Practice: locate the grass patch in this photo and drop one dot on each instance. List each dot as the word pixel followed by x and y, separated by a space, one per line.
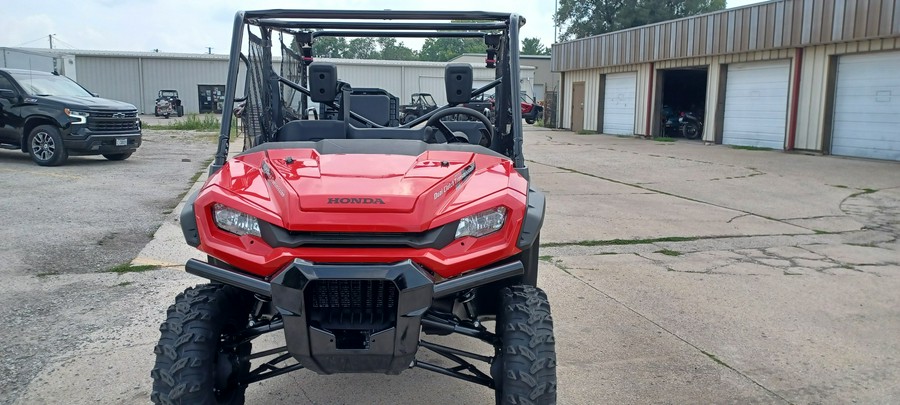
pixel 742 147
pixel 124 283
pixel 621 242
pixel 664 139
pixel 668 252
pixel 839 186
pixel 863 191
pixel 202 170
pixel 821 232
pixel 192 122
pixel 586 132
pixel 130 268
pixel 546 258
pixel 48 274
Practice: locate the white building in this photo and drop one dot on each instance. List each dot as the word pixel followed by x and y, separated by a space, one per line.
pixel 136 77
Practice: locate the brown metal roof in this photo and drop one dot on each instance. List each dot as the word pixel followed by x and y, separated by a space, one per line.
pixel 771 25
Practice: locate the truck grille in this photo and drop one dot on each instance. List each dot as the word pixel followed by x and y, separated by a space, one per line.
pixel 113 121
pixel 352 304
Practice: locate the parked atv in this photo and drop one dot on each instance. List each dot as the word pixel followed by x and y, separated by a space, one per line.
pixel 419 105
pixel 358 242
pixel 531 110
pixel 168 103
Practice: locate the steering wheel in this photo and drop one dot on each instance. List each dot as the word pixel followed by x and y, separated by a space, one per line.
pixel 435 121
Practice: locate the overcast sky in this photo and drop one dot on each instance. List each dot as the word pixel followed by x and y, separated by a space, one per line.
pixel 191 26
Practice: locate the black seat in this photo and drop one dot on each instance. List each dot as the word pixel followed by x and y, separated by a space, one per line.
pixel 311 130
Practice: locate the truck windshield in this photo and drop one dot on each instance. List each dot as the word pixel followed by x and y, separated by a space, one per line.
pixel 50 85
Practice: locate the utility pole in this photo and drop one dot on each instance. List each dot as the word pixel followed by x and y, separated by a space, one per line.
pixel 209 50
pixel 50 37
pixel 555 24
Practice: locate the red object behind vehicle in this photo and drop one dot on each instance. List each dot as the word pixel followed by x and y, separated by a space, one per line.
pixel 527 107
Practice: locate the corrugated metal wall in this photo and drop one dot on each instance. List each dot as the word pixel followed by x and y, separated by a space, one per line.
pixel 812 119
pixel 591 79
pixel 112 78
pixel 184 76
pixel 771 25
pixel 119 78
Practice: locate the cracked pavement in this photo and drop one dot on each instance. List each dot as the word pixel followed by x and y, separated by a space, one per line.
pixel 760 276
pixel 678 273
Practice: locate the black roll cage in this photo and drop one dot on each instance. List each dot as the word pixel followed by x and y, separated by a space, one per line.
pixel 309 24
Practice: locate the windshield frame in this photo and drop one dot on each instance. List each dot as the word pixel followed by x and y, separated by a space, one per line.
pixel 26 82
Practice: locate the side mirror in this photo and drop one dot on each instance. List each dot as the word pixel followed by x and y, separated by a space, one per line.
pixel 8 94
pixel 95 94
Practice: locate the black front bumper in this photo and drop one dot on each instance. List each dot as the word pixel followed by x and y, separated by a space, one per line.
pixel 83 141
pixel 354 318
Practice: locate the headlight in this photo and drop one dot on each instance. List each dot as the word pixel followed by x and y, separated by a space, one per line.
pixel 234 221
pixel 482 223
pixel 78 117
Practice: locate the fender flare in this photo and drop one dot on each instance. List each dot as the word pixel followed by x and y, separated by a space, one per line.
pixel 534 218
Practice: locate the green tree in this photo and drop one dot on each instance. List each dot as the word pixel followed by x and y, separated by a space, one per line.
pixel 362 48
pixel 393 50
pixel 533 46
pixel 330 47
pixel 582 18
pixel 445 49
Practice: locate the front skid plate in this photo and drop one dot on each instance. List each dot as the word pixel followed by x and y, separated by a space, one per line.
pixel 390 350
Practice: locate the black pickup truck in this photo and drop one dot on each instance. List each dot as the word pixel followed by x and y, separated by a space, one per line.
pixel 50 117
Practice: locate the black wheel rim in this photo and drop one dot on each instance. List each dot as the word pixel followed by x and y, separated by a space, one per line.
pixel 43 146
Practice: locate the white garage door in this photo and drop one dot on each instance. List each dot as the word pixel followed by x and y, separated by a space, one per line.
pixel 867 106
pixel 756 100
pixel 618 104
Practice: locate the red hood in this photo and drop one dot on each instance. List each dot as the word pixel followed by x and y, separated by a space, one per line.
pixel 304 190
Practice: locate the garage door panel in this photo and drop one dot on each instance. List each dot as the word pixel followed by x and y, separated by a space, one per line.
pixel 618 103
pixel 756 104
pixel 866 120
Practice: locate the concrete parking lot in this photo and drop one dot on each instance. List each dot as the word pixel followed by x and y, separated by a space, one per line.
pixel 678 273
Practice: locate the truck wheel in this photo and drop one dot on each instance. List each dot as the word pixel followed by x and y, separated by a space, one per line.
pixel 155 112
pixel 46 147
pixel 524 368
pixel 117 156
pixel 180 110
pixel 193 365
pixel 529 121
pixel 409 118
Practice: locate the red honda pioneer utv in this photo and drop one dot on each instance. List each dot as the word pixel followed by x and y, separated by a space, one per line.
pixel 359 240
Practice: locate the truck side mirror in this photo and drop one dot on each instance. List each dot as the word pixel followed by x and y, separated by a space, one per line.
pixel 95 94
pixel 8 94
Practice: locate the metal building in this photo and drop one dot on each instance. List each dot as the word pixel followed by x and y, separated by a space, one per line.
pixel 816 75
pixel 136 77
pixel 544 79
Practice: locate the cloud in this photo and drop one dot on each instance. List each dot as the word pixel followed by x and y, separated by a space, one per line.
pixel 191 26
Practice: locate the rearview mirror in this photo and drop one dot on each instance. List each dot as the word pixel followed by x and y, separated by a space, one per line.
pixel 7 94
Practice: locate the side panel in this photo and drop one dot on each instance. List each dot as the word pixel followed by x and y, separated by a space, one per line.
pixel 619 103
pixel 867 106
pixel 756 100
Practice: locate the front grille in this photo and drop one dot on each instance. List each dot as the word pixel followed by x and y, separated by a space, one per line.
pixel 114 114
pixel 352 304
pixel 113 121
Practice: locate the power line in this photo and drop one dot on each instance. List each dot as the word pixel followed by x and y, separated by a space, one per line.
pixel 33 40
pixel 56 37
